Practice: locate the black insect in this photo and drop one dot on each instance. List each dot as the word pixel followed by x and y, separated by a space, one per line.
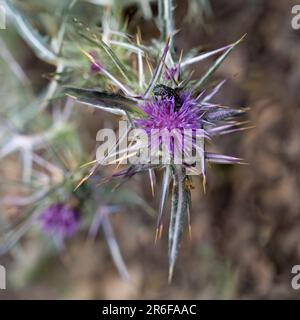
pixel 161 91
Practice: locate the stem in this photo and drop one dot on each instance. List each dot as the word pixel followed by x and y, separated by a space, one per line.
pixel 179 213
pixel 166 21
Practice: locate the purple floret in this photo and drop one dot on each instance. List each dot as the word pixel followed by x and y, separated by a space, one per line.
pixel 171 73
pixel 59 221
pixel 162 114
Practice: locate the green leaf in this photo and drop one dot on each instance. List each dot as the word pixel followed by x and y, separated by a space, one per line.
pixel 110 102
pixel 179 215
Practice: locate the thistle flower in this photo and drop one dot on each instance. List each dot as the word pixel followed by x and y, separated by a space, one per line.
pixel 59 222
pixel 179 104
pixel 164 114
pixel 177 115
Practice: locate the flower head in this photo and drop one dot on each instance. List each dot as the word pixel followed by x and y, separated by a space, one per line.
pixel 59 221
pixel 177 114
pixel 167 113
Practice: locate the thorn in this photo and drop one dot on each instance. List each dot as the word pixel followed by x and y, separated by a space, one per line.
pixel 204 184
pixel 82 182
pixel 70 96
pixel 87 164
pixel 181 55
pixel 156 235
pixel 242 38
pixel 160 231
pixel 151 182
pixel 152 189
pixel 138 36
pixel 149 66
pixel 171 270
pixel 88 55
pixel 190 231
pixel 116 187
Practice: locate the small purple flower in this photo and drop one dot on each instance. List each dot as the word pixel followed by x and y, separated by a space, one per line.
pixel 170 73
pixel 59 221
pixel 95 66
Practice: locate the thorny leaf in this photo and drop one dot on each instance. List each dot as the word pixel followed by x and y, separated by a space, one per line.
pixel 110 102
pixel 179 214
pixel 223 114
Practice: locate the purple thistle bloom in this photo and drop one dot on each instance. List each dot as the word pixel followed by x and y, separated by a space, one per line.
pixel 162 114
pixel 176 115
pixel 59 221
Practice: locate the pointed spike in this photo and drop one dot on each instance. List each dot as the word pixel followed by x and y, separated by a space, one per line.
pixel 203 56
pixel 161 230
pixel 156 235
pixel 204 184
pixel 82 181
pixel 171 271
pixel 190 232
pixel 149 66
pixel 165 189
pixel 87 164
pixel 152 178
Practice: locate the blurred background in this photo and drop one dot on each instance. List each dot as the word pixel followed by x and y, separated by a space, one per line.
pixel 245 229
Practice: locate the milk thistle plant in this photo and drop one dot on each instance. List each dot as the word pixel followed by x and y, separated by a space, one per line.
pixel 164 98
pixel 169 115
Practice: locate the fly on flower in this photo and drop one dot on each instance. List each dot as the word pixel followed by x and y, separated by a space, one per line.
pixel 165 100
